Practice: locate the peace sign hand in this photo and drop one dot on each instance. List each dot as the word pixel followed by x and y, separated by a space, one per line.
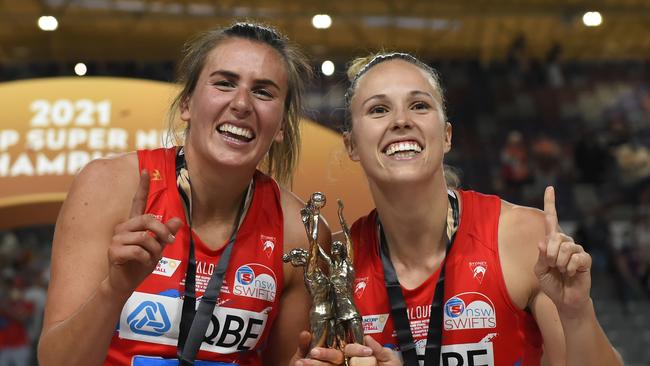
pixel 137 243
pixel 563 267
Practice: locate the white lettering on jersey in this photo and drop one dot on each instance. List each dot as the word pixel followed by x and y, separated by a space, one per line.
pixel 469 310
pixel 155 319
pixel 465 354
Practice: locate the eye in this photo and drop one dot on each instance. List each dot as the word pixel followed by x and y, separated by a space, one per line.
pixel 263 94
pixel 378 109
pixel 420 106
pixel 224 84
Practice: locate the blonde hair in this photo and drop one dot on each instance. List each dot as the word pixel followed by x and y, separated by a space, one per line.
pixel 282 158
pixel 359 66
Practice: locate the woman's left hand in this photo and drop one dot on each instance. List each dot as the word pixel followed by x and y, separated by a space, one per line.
pixel 318 356
pixel 563 267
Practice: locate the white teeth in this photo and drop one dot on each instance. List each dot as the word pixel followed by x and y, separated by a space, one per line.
pixel 244 132
pixel 403 146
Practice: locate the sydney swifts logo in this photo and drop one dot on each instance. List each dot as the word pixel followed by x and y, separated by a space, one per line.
pixel 360 286
pixel 268 245
pixel 478 270
pixel 256 281
pixel 155 175
pixel 469 310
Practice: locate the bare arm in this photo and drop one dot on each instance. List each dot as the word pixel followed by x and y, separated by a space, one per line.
pixel 84 301
pixel 547 272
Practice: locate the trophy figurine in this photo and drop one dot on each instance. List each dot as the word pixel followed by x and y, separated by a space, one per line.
pixel 348 326
pixel 334 319
pixel 321 315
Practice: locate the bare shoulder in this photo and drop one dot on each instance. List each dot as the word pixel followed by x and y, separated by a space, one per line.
pixel 104 184
pixel 100 193
pixel 521 222
pixel 520 230
pixel 99 199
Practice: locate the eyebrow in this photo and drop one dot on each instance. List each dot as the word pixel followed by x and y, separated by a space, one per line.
pixel 233 75
pixel 411 93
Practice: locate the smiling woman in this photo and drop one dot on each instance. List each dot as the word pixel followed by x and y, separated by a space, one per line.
pixel 450 275
pixel 162 236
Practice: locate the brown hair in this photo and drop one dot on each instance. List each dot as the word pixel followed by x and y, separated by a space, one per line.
pixel 282 158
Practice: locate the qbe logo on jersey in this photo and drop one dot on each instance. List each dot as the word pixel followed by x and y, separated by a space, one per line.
pixel 256 281
pixel 481 353
pixel 155 319
pixel 469 310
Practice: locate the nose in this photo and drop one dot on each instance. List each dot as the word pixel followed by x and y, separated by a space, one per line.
pixel 402 119
pixel 241 103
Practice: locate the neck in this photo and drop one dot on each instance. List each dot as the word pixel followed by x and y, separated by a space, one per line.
pixel 413 217
pixel 217 192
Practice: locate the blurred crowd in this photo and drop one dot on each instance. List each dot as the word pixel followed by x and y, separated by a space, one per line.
pixel 24 273
pixel 519 124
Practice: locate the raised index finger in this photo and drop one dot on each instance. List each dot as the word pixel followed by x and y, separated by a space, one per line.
pixel 550 212
pixel 140 199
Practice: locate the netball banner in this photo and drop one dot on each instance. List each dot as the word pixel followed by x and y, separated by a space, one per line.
pixel 51 128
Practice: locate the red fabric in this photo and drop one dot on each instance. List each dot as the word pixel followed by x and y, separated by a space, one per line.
pixel 13 332
pixel 249 298
pixel 481 324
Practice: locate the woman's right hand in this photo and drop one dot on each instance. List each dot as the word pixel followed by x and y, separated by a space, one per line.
pixel 381 356
pixel 137 244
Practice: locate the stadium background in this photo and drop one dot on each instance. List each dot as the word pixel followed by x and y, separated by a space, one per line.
pixel 537 92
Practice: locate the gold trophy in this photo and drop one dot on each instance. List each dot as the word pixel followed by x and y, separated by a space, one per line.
pixel 334 318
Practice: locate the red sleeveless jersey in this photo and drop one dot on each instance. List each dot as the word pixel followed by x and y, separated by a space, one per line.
pixel 252 286
pixel 481 324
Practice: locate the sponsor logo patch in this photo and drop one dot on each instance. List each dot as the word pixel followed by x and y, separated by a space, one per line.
pixel 166 266
pixel 149 318
pixel 256 281
pixel 469 310
pixel 464 354
pixel 374 323
pixel 479 269
pixel 480 353
pixel 155 319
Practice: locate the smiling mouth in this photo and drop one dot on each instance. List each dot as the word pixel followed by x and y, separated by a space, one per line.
pixel 403 149
pixel 238 133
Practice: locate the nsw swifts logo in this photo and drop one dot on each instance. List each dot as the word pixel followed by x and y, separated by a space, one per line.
pixel 360 286
pixel 268 245
pixel 479 269
pixel 469 310
pixel 256 281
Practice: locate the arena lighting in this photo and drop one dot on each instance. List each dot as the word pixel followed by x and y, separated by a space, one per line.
pixel 80 69
pixel 48 23
pixel 592 19
pixel 321 21
pixel 327 67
